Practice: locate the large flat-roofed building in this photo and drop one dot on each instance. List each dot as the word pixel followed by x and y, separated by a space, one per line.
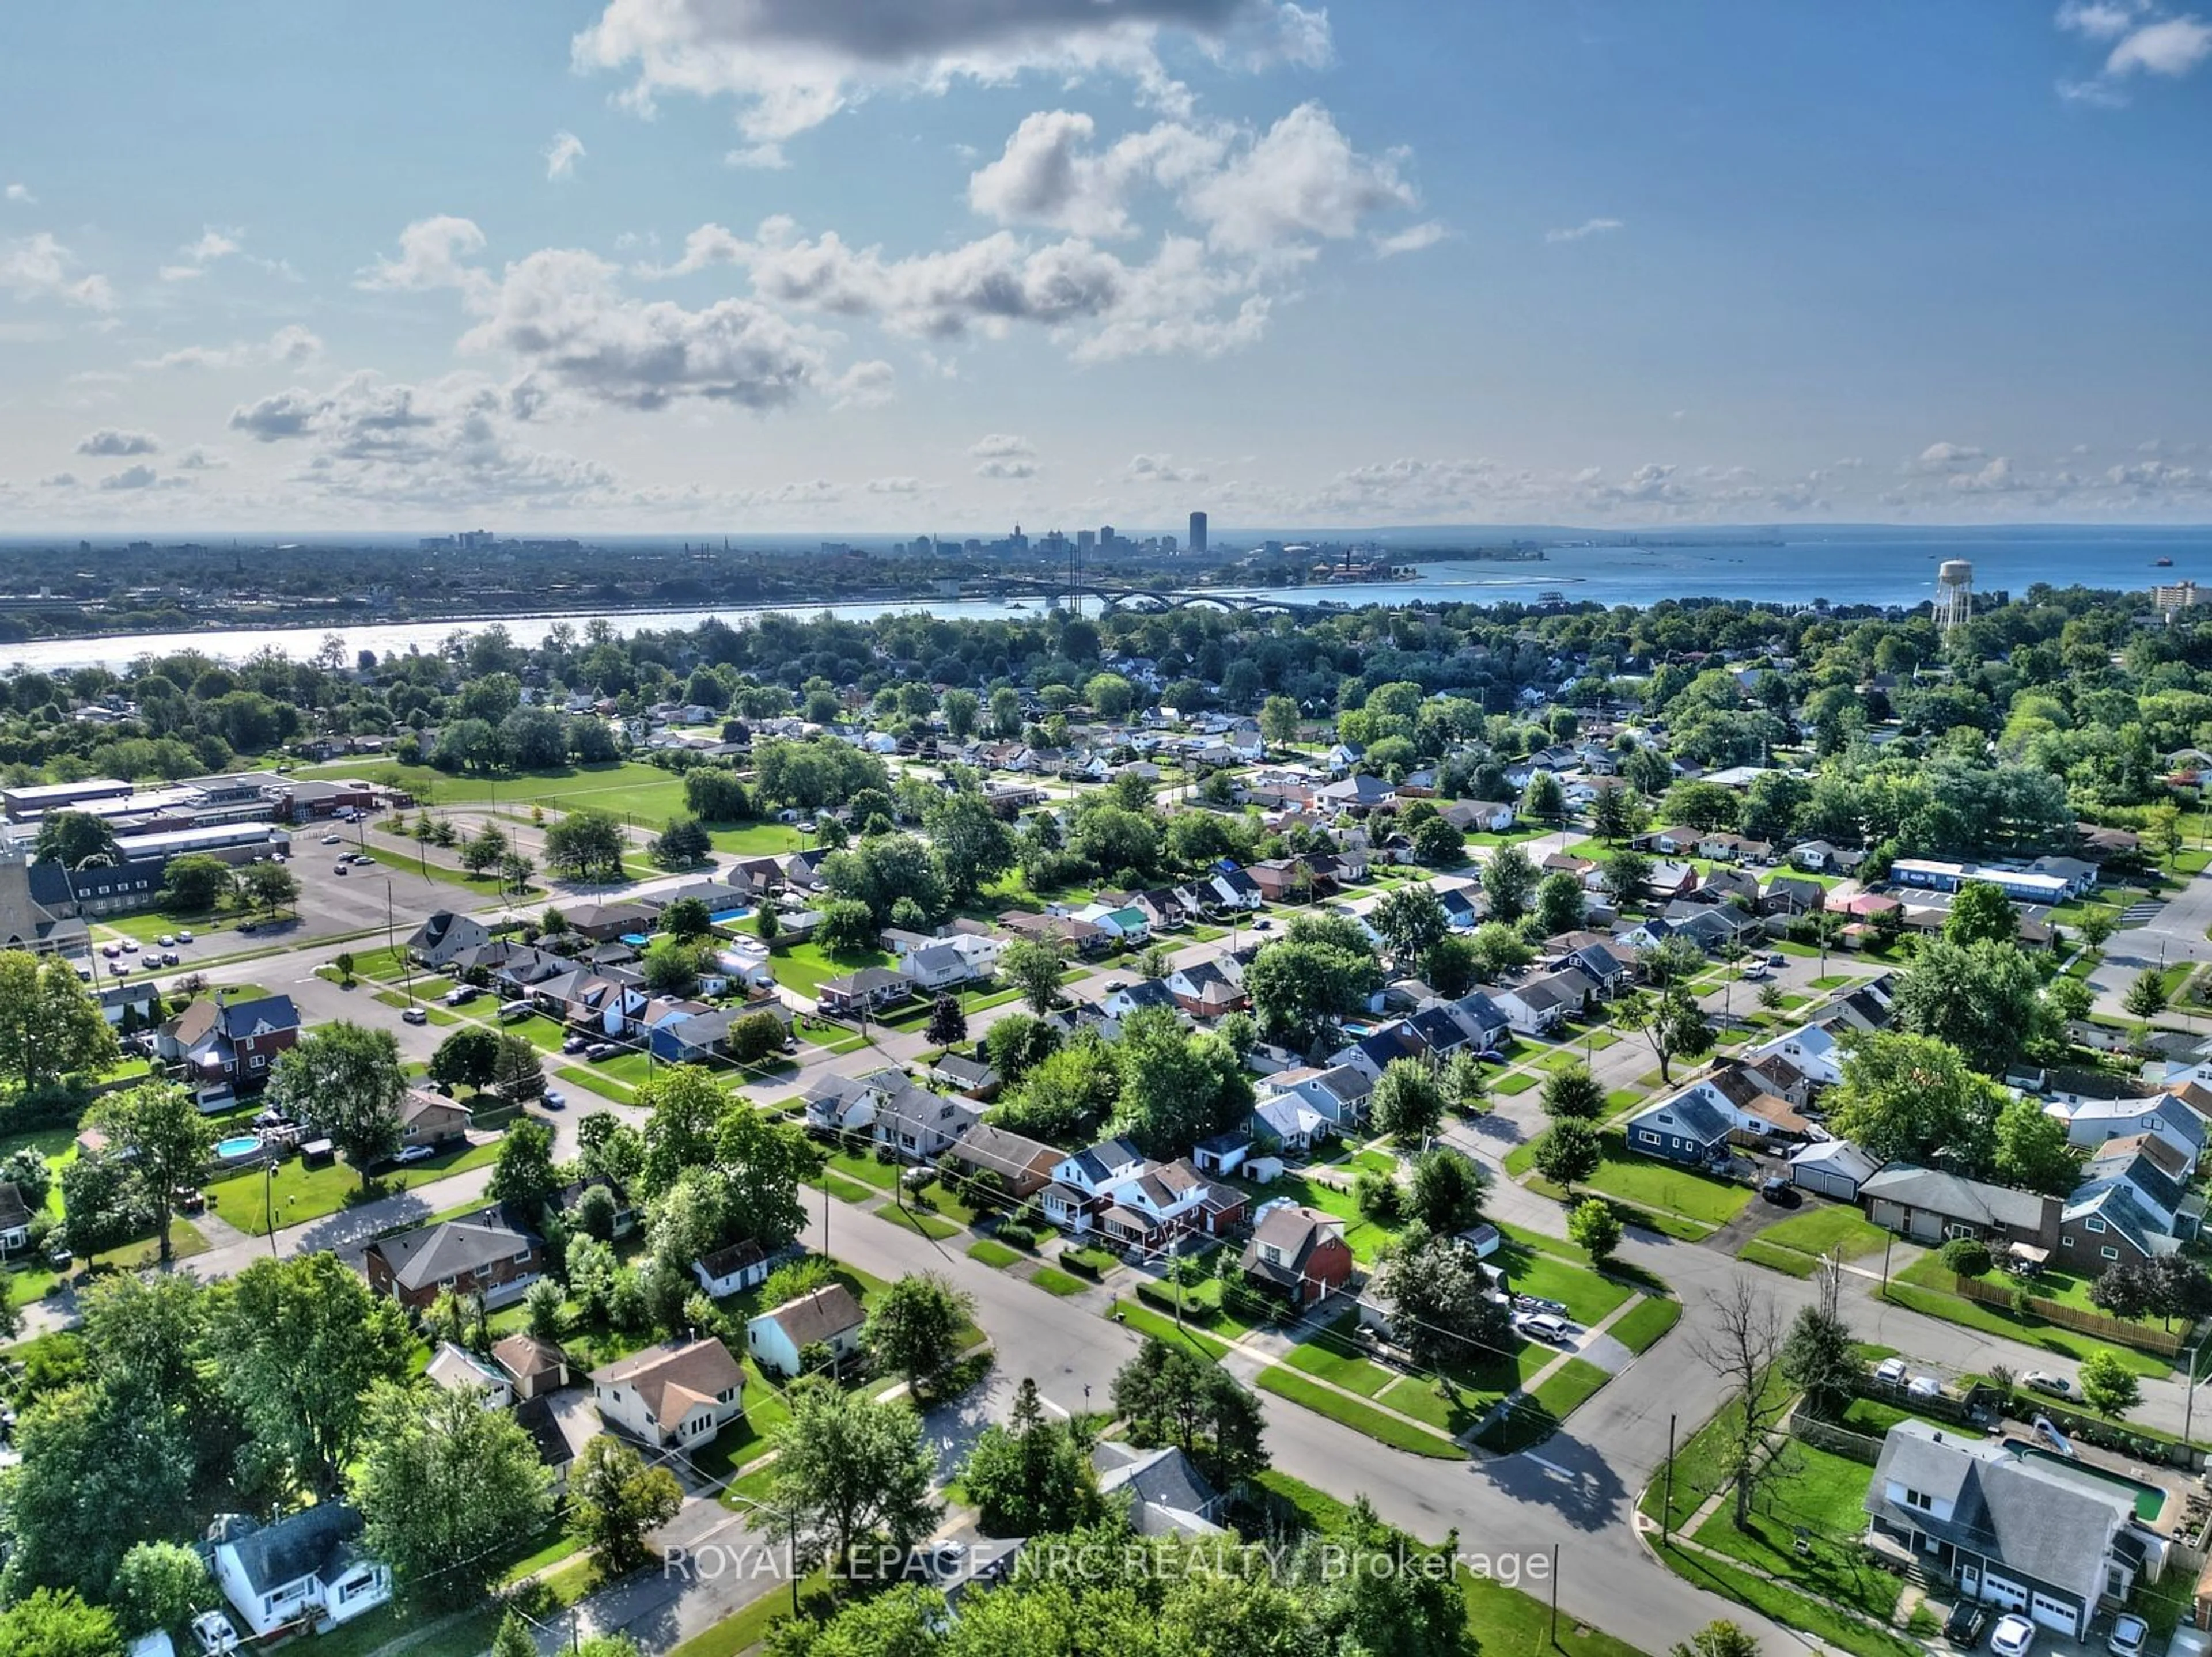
pixel 30 803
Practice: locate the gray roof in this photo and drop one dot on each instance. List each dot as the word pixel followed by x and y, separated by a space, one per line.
pixel 1955 1198
pixel 1687 1113
pixel 814 1318
pixel 2040 1521
pixel 431 1254
pixel 313 1542
pixel 1164 1479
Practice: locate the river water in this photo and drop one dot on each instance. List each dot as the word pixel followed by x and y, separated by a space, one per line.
pixel 1846 569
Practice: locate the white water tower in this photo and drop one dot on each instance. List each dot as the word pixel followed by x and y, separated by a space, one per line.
pixel 1955 594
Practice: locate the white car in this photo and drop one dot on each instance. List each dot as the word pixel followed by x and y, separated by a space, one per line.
pixel 413 1154
pixel 2130 1635
pixel 333 840
pixel 213 1635
pixel 2013 1636
pixel 2042 1381
pixel 1546 1326
pixel 1891 1372
pixel 185 937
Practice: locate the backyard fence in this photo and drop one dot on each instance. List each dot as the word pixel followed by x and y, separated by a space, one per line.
pixel 1838 1441
pixel 2163 1342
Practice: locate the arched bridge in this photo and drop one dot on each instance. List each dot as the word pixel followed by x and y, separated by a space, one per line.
pixel 1132 597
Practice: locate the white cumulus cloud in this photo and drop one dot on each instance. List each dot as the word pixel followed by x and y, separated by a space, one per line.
pixel 41 267
pixel 561 155
pixel 109 442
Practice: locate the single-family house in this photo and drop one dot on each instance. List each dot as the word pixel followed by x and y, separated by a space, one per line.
pixel 972 1078
pixel 732 1269
pixel 1538 1006
pixel 1204 990
pixel 219 1041
pixel 2129 1205
pixel 444 935
pixel 486 1255
pixel 293 1572
pixel 1081 1183
pixel 1150 1208
pixel 2014 1532
pixel 15 1221
pixel 829 1317
pixel 1297 1254
pixel 458 1370
pixel 936 966
pixel 1930 1206
pixel 1684 1127
pixel 570 1203
pixel 1139 994
pixel 1010 1164
pixel 1167 1494
pixel 2092 1121
pixel 433 1121
pixel 866 990
pixel 679 1394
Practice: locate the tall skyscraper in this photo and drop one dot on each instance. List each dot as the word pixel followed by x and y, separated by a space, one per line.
pixel 1198 531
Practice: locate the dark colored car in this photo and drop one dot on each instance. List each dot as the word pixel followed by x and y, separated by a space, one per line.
pixel 601 1050
pixel 1778 1191
pixel 1966 1625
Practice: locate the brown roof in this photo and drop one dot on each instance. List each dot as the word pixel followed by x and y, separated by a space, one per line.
pixel 527 1357
pixel 672 1379
pixel 813 1319
pixel 420 1104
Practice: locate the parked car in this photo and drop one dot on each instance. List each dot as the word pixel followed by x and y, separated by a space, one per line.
pixel 414 1016
pixel 213 1635
pixel 1544 1327
pixel 1777 1189
pixel 165 940
pixel 600 1051
pixel 553 1098
pixel 186 936
pixel 362 856
pixel 2130 1634
pixel 1757 969
pixel 575 1044
pixel 1777 959
pixel 343 869
pixel 130 946
pixel 413 1154
pixel 461 994
pixel 2042 1381
pixel 2014 1636
pixel 1966 1625
pixel 333 840
pixel 171 958
pixel 1891 1372
pixel 1538 1304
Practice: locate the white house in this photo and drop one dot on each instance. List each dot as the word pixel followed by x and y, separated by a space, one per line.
pixel 1080 1183
pixel 828 1317
pixel 2093 1121
pixel 732 1270
pixel 293 1573
pixel 457 1370
pixel 676 1394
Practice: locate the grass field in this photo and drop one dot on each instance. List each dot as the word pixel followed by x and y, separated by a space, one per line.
pixel 1700 1464
pixel 807 967
pixel 1649 1183
pixel 1378 1424
pixel 1917 1287
pixel 1053 1281
pixel 1145 1321
pixel 1838 1230
pixel 1642 1326
pixel 1535 1418
pixel 301 1193
pixel 995 1254
pixel 1784 1605
pixel 621 787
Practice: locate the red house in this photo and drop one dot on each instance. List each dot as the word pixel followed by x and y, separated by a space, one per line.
pixel 1297 1252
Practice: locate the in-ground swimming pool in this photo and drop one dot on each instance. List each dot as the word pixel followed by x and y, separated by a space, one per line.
pixel 728 917
pixel 235 1149
pixel 2150 1501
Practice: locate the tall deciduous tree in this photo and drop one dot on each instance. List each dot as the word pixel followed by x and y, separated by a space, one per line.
pixel 1408 1101
pixel 1740 1344
pixel 50 1025
pixel 848 1468
pixel 1033 967
pixel 298 1344
pixel 1507 879
pixel 1906 1098
pixel 916 1325
pixel 345 1082
pixel 439 1478
pixel 1672 1023
pixel 158 1128
pixel 1173 1395
pixel 615 1500
pixel 1409 920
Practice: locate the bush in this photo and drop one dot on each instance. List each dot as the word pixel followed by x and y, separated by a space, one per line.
pixel 1015 1235
pixel 1967 1257
pixel 1379 1197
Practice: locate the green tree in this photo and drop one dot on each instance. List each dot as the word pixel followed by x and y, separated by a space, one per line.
pixel 1407 1102
pixel 848 927
pixel 948 1023
pixel 615 1501
pixel 1718 1639
pixel 681 844
pixel 1409 920
pixel 1573 1092
pixel 1507 879
pixel 2108 1385
pixel 1544 799
pixel 465 1058
pixel 848 1468
pixel 2032 1151
pixel 1444 1191
pixel 1174 1089
pixel 959 708
pixel 973 846
pixel 158 1128
pixel 439 1474
pixel 2145 996
pixel 686 1104
pixel 513 1638
pixel 345 1082
pixel 1439 1308
pixel 756 1038
pixel 1279 720
pixel 1439 843
pixel 1499 950
pixel 161 1585
pixel 1819 1354
pixel 1029 1477
pixel 1626 872
pixel 1033 966
pixel 1595 1228
pixel 298 1344
pixel 1672 1023
pixel 270 887
pixel 687 918
pixel 51 1624
pixel 50 1025
pixel 194 884
pixel 525 1175
pixel 1302 985
pixel 1983 999
pixel 1907 1098
pixel 1980 912
pixel 1559 904
pixel 762 1159
pixel 915 1328
pixel 480 853
pixel 1174 1395
pixel 74 839
pixel 585 845
pixel 1568 1153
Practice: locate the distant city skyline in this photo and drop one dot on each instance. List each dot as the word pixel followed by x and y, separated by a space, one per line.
pixel 637 266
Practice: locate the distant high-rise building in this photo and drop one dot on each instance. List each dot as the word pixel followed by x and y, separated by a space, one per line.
pixel 1085 539
pixel 1198 531
pixel 1105 538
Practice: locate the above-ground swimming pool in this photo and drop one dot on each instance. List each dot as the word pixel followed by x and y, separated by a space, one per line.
pixel 2150 1501
pixel 238 1148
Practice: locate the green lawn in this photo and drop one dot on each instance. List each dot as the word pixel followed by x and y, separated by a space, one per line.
pixel 1145 1321
pixel 1786 1605
pixel 1055 1282
pixel 1701 1462
pixel 1510 1622
pixel 1533 1419
pixel 1649 1182
pixel 864 1168
pixel 1332 1355
pixel 806 967
pixel 1378 1424
pixel 1587 1296
pixel 1838 1230
pixel 301 1193
pixel 1821 1496
pixel 1455 1402
pixel 928 1225
pixel 996 1254
pixel 1643 1325
pixel 646 792
pixel 1921 1286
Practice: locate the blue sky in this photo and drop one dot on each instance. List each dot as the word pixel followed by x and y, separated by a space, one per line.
pixel 722 265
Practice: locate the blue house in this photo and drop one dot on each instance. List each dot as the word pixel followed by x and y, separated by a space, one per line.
pixel 1680 1128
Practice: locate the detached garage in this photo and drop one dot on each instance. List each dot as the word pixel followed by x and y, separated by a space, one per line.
pixel 1833 1167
